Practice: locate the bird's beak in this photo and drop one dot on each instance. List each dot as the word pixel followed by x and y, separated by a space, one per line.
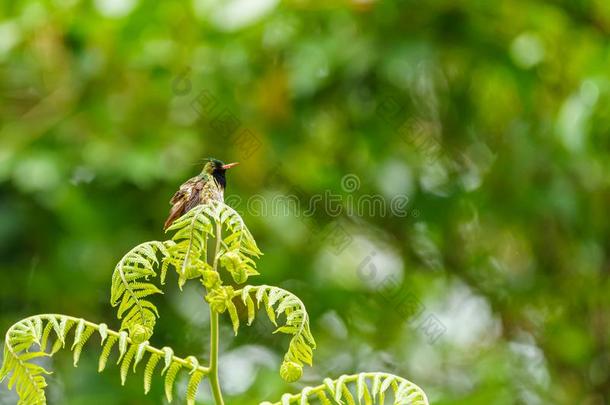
pixel 230 165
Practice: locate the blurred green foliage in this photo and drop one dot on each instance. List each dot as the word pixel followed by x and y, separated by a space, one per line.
pixel 492 117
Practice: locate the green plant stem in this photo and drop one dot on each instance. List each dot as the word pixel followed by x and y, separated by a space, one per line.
pixel 214 382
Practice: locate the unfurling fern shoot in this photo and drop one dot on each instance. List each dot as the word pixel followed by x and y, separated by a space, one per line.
pixel 198 219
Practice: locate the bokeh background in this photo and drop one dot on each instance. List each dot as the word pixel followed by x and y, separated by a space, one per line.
pixel 492 118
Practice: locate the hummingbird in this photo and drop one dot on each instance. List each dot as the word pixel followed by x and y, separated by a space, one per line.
pixel 208 185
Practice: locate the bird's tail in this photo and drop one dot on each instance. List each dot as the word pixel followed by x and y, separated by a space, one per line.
pixel 173 215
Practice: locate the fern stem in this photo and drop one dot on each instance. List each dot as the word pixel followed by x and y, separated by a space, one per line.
pixel 214 382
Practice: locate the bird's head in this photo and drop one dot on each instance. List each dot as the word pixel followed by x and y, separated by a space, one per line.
pixel 217 169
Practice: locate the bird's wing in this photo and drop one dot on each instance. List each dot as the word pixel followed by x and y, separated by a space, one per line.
pixel 194 198
pixel 177 197
pixel 183 191
pixel 184 200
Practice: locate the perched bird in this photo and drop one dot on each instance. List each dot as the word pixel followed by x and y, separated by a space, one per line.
pixel 208 185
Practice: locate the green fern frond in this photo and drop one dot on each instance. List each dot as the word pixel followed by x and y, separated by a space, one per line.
pixel 189 254
pixel 239 247
pixel 131 287
pixel 278 301
pixel 26 341
pixel 370 388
